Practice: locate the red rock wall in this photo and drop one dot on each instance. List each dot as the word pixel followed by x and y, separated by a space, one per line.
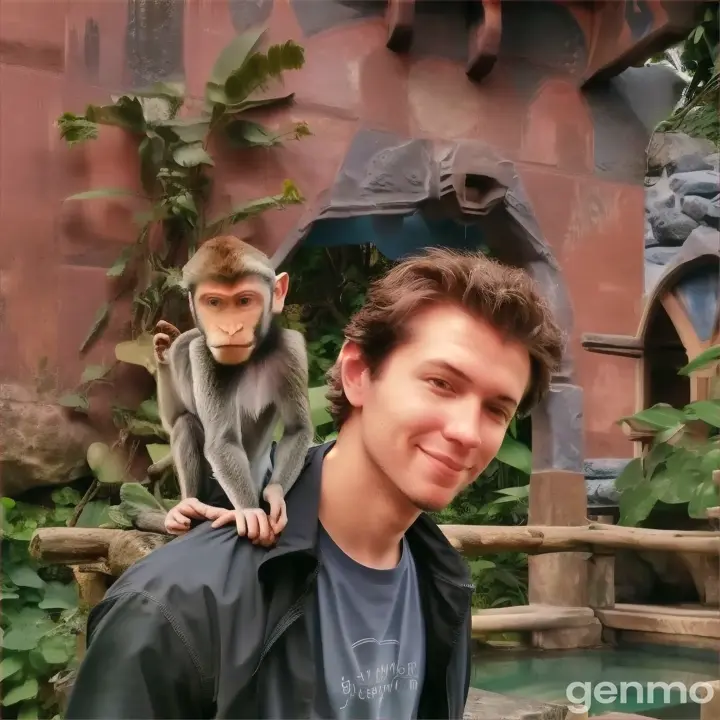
pixel 57 56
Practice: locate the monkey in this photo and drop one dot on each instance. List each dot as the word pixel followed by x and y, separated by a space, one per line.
pixel 223 386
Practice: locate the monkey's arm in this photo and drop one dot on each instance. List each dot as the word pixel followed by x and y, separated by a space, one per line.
pixel 294 408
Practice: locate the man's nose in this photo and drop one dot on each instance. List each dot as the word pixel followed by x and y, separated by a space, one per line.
pixel 464 425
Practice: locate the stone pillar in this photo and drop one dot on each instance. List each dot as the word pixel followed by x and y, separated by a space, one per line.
pixel 558 496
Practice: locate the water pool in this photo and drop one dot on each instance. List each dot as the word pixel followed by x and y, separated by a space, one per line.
pixel 547 674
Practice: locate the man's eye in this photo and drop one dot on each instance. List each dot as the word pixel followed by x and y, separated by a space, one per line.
pixel 440 384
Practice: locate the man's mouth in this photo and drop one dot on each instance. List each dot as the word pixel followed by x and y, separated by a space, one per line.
pixel 446 460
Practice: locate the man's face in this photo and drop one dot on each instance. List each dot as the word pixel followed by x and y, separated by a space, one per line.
pixel 435 416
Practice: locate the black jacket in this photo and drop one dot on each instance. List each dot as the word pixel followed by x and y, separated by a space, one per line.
pixel 211 626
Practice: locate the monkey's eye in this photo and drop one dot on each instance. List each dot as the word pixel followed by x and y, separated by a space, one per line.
pixel 243 301
pixel 213 302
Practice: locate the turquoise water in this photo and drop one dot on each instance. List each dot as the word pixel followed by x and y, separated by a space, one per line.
pixel 546 675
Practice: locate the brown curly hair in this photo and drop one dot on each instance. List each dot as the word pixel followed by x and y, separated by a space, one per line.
pixel 504 296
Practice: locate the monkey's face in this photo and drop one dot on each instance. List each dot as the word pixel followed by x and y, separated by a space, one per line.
pixel 435 414
pixel 230 316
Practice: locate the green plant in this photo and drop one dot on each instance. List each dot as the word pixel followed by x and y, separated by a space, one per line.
pixel 683 453
pixel 174 138
pixel 41 617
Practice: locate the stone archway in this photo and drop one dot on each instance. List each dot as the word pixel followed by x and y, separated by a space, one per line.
pixel 390 182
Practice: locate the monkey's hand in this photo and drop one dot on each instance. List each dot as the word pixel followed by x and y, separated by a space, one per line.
pixel 274 496
pixel 178 520
pixel 165 335
pixel 254 523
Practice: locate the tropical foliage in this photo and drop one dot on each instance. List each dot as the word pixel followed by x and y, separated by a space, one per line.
pixel 683 453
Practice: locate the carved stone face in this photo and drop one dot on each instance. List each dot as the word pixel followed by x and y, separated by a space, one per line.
pixel 234 316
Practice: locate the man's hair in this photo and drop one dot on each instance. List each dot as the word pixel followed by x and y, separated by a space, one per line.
pixel 503 296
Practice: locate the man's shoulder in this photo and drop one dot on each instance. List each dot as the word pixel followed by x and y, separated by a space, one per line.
pixel 187 567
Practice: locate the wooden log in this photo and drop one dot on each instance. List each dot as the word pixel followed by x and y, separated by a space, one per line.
pixel 473 540
pixel 661 622
pixel 530 618
pixel 114 550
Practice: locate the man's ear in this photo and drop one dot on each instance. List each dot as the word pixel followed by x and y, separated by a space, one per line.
pixel 282 283
pixel 354 373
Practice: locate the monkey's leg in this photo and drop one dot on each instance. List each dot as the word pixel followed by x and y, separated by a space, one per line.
pixel 186 442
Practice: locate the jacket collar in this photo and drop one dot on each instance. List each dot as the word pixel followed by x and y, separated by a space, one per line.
pixel 429 545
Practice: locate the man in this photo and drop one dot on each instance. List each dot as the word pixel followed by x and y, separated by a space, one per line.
pixel 362 609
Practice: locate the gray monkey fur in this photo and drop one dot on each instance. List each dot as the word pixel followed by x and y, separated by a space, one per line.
pixel 231 424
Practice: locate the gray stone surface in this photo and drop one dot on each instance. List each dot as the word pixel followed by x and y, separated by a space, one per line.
pixel 660 255
pixel 600 475
pixel 485 705
pixel 698 182
pixel 671 226
pixel 688 163
pixel 557 430
pixel 699 208
pixel 664 148
pixel 682 204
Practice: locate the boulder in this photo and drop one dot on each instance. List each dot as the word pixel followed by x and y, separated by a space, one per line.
pixel 665 148
pixel 660 255
pixel 688 163
pixel 671 226
pixel 705 183
pixel 700 208
pixel 40 443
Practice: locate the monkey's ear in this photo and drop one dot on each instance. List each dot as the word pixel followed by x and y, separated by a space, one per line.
pixel 282 283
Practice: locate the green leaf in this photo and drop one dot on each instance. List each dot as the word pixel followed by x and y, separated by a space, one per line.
pixel 235 53
pixel 289 196
pixel 74 401
pixel 482 564
pixel 192 155
pixel 136 499
pixel 260 102
pixel 152 156
pixel 657 455
pixel 102 193
pixel 27 691
pixel 106 464
pixel 76 129
pixel 706 410
pixel 245 133
pixel 149 410
pixel 145 428
pixel 670 488
pixel 94 372
pixel 188 130
pixel 659 416
pixel 157 451
pixel 57 649
pixel 126 113
pixel 66 496
pixel 515 454
pixel 101 318
pixel 10 665
pixel 631 475
pixel 704 496
pixel 29 711
pixel 94 514
pixel 703 360
pixel 319 405
pixel 137 352
pixel 21 639
pixel 59 596
pixel 24 576
pixel 635 504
